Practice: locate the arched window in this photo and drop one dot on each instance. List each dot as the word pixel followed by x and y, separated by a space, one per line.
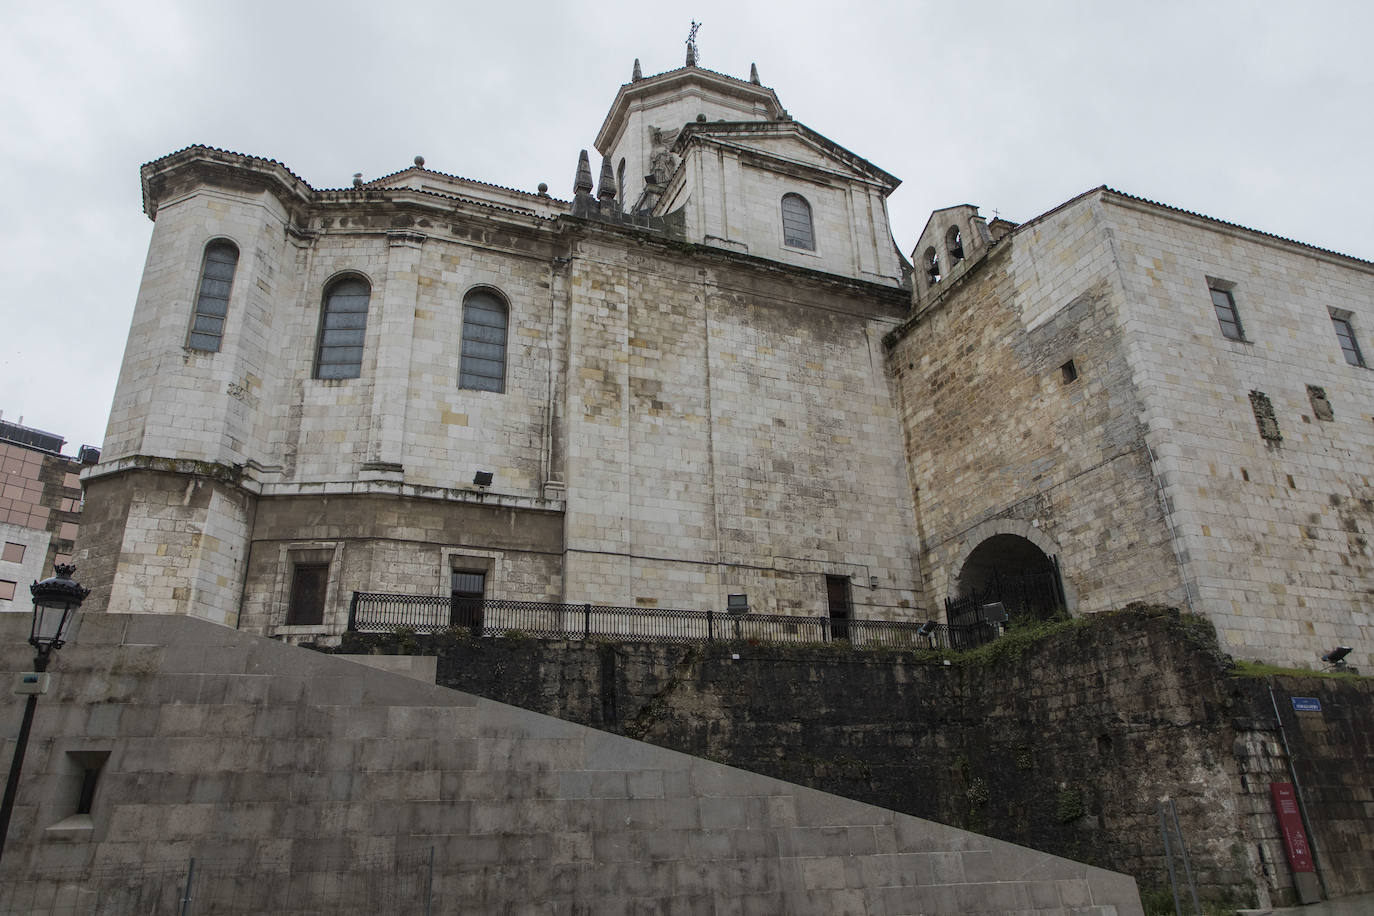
pixel 954 244
pixel 620 185
pixel 483 365
pixel 932 265
pixel 212 300
pixel 342 329
pixel 796 223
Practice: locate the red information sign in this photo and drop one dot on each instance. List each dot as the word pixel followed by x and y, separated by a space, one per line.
pixel 1290 822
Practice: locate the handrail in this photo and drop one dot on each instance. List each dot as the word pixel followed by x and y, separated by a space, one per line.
pixel 379 612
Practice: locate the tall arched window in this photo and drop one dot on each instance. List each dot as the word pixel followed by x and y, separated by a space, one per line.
pixel 483 365
pixel 796 223
pixel 212 299
pixel 342 329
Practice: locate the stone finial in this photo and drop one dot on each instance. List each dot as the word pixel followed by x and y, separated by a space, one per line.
pixel 420 162
pixel 754 74
pixel 606 187
pixel 583 183
pixel 543 189
pixel 357 179
pixel 637 74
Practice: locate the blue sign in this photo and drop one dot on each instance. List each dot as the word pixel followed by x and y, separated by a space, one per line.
pixel 1307 704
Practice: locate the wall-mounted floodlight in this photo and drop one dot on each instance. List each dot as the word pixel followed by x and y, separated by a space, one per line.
pixel 927 628
pixel 737 604
pixel 1336 657
pixel 995 612
pixel 872 581
pixel 482 479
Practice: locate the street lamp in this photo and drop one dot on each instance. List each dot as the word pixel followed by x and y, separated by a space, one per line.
pixel 55 603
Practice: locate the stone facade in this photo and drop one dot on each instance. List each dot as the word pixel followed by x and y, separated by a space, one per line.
pixel 1070 385
pixel 678 417
pixel 289 771
pixel 719 376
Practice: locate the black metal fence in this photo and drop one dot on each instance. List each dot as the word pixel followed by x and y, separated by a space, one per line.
pixel 376 612
pixel 1034 596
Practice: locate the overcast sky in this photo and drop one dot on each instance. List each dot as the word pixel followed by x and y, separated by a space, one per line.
pixel 1257 113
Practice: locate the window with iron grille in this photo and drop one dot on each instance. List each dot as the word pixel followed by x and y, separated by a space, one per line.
pixel 1345 333
pixel 1227 316
pixel 797 231
pixel 483 366
pixel 309 584
pixel 343 325
pixel 212 300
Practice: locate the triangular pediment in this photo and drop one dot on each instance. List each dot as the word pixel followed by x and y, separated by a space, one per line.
pixel 787 143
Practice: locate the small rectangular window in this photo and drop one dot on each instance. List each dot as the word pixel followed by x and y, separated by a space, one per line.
pixel 1346 335
pixel 1069 372
pixel 13 553
pixel 309 583
pixel 1227 316
pixel 6 590
pixel 839 604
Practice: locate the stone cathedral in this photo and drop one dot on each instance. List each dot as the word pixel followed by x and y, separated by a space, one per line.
pixel 712 372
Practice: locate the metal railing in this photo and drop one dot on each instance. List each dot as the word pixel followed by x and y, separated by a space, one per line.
pixel 378 612
pixel 1038 596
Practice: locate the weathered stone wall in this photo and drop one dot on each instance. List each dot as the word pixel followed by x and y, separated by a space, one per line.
pixel 290 769
pixel 730 429
pixel 389 543
pixel 1065 745
pixel 1274 534
pixel 1002 441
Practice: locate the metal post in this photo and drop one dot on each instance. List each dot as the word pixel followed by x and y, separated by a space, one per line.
pixel 710 627
pixel 186 897
pixel 12 784
pixel 1183 853
pixel 1169 858
pixel 429 885
pixel 353 613
pixel 586 620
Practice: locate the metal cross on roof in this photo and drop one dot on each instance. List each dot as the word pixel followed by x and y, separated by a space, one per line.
pixel 692 52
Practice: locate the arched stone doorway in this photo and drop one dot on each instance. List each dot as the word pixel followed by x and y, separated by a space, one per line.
pixel 1012 570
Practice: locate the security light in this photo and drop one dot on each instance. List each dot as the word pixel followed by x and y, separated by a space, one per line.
pixel 995 612
pixel 482 479
pixel 1337 656
pixel 927 628
pixel 737 604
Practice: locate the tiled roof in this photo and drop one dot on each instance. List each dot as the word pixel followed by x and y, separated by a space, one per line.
pixel 1105 189
pixel 1222 222
pixel 486 184
pixel 216 149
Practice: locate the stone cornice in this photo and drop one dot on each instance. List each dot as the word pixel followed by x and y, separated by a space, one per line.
pixel 247 477
pixel 717 131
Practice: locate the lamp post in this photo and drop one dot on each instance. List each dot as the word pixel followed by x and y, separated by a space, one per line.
pixel 55 603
